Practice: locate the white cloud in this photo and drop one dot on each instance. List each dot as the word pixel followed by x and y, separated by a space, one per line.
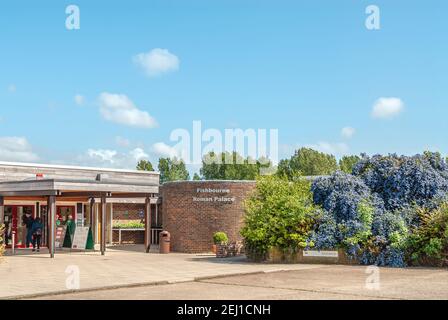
pixel 102 155
pixel 336 149
pixel 348 132
pixel 16 149
pixel 122 142
pixel 138 154
pixel 120 109
pixel 79 99
pixel 112 158
pixel 387 108
pixel 12 88
pixel 157 61
pixel 163 150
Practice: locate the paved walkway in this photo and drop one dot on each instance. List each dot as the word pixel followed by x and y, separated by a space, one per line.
pixel 325 282
pixel 29 273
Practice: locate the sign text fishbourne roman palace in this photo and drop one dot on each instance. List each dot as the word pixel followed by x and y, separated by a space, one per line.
pixel 213 195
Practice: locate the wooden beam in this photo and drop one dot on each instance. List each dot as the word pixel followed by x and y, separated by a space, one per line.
pixel 31 193
pixel 147 224
pixel 51 209
pixel 34 199
pixel 103 226
pixel 70 199
pixel 132 195
pixel 84 194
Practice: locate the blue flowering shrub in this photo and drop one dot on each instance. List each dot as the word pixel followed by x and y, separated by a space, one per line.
pixel 344 198
pixel 375 213
pixel 401 181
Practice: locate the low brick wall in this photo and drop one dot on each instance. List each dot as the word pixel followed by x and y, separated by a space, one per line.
pixel 276 255
pixel 129 237
pixel 194 210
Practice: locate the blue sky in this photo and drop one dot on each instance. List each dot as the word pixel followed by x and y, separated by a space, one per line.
pixel 306 68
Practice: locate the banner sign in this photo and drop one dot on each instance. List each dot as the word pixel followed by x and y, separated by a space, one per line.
pixel 80 238
pixel 60 236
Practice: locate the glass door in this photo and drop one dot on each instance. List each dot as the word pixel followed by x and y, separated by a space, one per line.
pixel 15 216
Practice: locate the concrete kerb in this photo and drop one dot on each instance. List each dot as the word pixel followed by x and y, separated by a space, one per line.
pixel 102 288
pixel 135 285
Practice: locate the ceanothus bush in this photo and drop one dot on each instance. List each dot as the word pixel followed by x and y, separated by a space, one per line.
pixel 393 187
pixel 340 194
pixel 402 181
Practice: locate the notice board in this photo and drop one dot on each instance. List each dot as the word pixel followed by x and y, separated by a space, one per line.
pixel 80 238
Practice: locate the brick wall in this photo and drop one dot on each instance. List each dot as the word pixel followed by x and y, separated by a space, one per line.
pixel 125 212
pixel 192 222
pixel 129 237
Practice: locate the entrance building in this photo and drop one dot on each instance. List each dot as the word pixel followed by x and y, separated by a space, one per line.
pixel 88 196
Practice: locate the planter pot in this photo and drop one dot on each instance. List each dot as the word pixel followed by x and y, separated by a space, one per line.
pixel 214 248
pixel 221 250
pixel 232 249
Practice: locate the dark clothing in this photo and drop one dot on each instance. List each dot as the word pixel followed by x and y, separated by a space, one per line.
pixel 36 228
pixel 37 239
pixel 29 238
pixel 36 231
pixel 28 222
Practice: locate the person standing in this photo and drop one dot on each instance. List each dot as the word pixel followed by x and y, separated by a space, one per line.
pixel 36 231
pixel 28 222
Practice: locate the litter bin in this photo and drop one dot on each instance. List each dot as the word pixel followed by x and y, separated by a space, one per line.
pixel 164 241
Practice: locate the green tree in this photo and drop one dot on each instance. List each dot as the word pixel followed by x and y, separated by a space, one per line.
pixel 279 214
pixel 232 166
pixel 284 169
pixel 347 162
pixel 145 165
pixel 172 170
pixel 307 162
pixel 196 177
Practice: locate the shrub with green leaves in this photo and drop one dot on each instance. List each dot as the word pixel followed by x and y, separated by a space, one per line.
pixel 279 214
pixel 129 225
pixel 428 243
pixel 220 237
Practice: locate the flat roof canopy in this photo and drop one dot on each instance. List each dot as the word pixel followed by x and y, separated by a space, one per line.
pixel 66 188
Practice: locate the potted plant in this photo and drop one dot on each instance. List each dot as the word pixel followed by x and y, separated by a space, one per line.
pixel 219 238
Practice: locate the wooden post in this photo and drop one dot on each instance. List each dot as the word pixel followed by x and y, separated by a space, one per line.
pixel 51 208
pixel 157 214
pixel 91 213
pixel 147 224
pixel 103 226
pixel 2 210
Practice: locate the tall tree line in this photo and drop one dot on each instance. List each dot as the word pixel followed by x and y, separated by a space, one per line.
pixel 232 166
